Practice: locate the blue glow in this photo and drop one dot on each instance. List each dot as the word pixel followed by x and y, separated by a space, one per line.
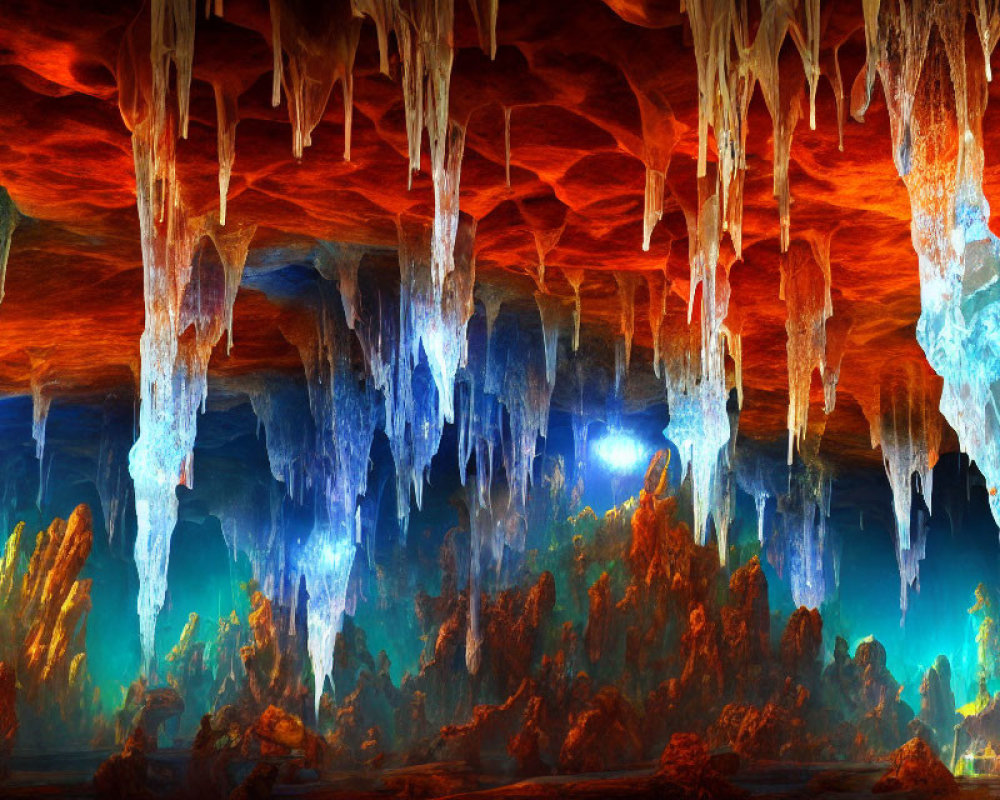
pixel 620 451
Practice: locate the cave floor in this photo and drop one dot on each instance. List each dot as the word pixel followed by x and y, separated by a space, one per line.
pixel 68 775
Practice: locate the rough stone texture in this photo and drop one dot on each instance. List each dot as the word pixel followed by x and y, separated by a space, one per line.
pixel 915 768
pixel 575 79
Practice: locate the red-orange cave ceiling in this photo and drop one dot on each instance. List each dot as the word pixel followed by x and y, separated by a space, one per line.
pixel 575 78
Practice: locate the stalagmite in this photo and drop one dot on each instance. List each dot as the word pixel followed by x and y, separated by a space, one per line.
pixel 626 299
pixel 574 277
pixel 226 118
pixel 8 222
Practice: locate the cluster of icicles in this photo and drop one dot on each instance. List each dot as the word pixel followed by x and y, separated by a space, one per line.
pixel 417 350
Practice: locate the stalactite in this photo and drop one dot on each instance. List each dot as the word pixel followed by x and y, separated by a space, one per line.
pixel 653 204
pixel 9 219
pixel 545 242
pixel 784 107
pixel 550 308
pixel 804 290
pixel 233 246
pixel 806 35
pixel 319 51
pixel 574 277
pixel 506 144
pixel 340 262
pixel 907 427
pixel 627 282
pixel 227 116
pixel 656 283
pixel 485 14
pixel 861 92
pixel 987 15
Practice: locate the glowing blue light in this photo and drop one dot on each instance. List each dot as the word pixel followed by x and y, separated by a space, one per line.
pixel 619 451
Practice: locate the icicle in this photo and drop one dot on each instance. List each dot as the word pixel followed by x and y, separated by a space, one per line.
pixel 227 117
pixel 550 309
pixel 233 246
pixel 506 143
pixel 574 277
pixel 9 219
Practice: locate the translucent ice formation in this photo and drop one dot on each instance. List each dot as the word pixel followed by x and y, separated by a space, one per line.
pixel 958 255
pixel 326 564
pixel 804 511
pixel 8 222
pixel 907 426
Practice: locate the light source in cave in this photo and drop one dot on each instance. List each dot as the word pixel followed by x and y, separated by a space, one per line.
pixel 620 451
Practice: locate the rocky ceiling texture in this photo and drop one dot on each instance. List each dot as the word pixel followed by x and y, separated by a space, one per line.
pixel 811 167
